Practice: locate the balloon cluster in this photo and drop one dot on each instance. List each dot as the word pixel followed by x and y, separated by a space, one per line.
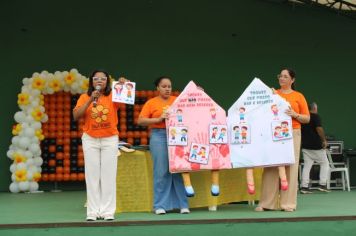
pixel 25 150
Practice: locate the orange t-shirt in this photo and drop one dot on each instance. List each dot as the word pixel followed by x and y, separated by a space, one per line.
pixel 153 108
pixel 99 121
pixel 298 104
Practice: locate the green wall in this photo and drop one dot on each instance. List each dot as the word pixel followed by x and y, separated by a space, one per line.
pixel 221 45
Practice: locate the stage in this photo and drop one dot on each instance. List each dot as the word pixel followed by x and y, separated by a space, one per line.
pixel 64 211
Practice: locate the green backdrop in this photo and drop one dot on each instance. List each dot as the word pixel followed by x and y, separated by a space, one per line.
pixel 221 45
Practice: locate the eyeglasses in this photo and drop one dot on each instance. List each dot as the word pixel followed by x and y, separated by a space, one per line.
pixel 283 76
pixel 99 78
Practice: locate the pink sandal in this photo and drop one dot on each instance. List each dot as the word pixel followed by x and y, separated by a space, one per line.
pixel 284 185
pixel 251 189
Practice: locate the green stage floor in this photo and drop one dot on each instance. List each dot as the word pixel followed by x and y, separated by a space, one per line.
pixel 54 209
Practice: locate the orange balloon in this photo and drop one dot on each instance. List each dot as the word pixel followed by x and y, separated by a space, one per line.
pixel 66 148
pixel 66 163
pixel 66 155
pixel 80 162
pixel 59 155
pixel 73 134
pixel 59 170
pixel 59 141
pixel 66 177
pixel 59 177
pixel 66 170
pixel 130 140
pixel 44 177
pixel 52 177
pixel 81 176
pixel 130 134
pixel 143 141
pixel 73 177
pixel 52 163
pixel 123 134
pixel 137 134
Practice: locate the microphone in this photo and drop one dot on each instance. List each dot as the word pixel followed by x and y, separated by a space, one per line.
pixel 97 88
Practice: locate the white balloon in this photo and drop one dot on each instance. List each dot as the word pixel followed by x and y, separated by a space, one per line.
pixel 12 167
pixel 28 154
pixel 25 125
pixel 19 117
pixel 14 188
pixel 20 166
pixel 74 70
pixel 50 90
pixel 30 162
pixel 36 125
pixel 25 81
pixel 39 169
pixel 24 186
pixel 32 169
pixel 36 74
pixel 29 175
pixel 13 178
pixel 29 132
pixel 33 186
pixel 34 148
pixel 29 119
pixel 44 118
pixel 38 161
pixel 15 140
pixel 34 103
pixel 35 92
pixel 25 89
pixel 66 89
pixel 24 142
pixel 10 153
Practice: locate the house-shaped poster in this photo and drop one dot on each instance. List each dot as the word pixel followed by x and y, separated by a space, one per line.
pixel 260 133
pixel 197 133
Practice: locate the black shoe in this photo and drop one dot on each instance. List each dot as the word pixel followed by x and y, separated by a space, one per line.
pixel 323 188
pixel 304 190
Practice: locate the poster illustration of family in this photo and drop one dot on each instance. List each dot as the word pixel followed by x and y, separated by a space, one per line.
pixel 259 129
pixel 124 93
pixel 197 142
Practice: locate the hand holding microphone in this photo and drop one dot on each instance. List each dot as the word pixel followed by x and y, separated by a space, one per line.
pixel 96 95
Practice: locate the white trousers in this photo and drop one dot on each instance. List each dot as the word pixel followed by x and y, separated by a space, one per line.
pixel 318 156
pixel 100 155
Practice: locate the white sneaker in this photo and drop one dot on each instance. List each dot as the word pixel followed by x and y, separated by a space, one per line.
pixel 109 218
pixel 160 211
pixel 213 208
pixel 91 218
pixel 184 211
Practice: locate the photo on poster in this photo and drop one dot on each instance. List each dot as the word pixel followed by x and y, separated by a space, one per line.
pixel 275 111
pixel 178 135
pixel 199 153
pixel 235 134
pixel 243 134
pixel 281 130
pixel 124 93
pixel 218 134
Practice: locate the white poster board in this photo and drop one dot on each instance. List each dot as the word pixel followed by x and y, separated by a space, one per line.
pixel 260 132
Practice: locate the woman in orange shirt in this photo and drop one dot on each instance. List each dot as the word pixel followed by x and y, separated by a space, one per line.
pixel 100 145
pixel 271 195
pixel 169 191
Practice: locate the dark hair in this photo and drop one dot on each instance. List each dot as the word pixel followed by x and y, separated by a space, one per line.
pixel 292 74
pixel 159 79
pixel 91 88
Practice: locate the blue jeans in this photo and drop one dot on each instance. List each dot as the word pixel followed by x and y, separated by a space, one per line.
pixel 169 191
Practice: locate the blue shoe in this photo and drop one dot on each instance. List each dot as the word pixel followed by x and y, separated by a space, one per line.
pixel 215 191
pixel 189 191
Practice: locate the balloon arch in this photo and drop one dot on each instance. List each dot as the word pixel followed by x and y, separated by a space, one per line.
pixel 25 150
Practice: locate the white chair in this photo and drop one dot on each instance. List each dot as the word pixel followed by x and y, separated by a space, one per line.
pixel 338 167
